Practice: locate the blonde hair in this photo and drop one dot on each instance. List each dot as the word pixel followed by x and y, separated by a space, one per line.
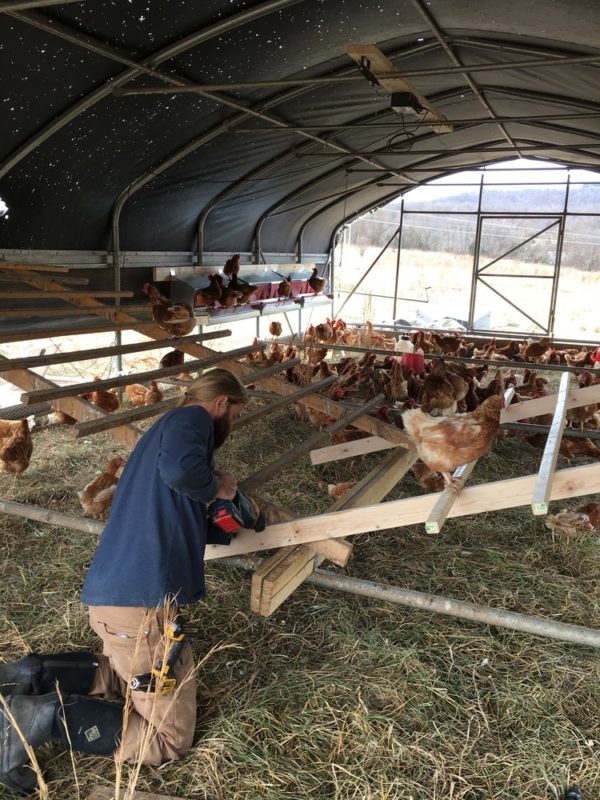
pixel 215 383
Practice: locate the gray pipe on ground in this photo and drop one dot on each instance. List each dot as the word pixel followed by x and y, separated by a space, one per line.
pixel 423 601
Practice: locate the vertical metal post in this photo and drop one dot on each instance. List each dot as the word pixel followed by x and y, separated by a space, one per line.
pixel 117 287
pixel 400 224
pixel 477 248
pixel 332 273
pixel 558 258
pixel 369 268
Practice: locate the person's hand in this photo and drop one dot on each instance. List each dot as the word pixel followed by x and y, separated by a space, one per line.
pixel 227 486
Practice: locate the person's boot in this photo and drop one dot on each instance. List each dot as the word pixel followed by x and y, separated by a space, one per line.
pixel 38 674
pixel 93 725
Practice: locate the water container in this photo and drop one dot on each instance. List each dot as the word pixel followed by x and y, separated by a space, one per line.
pixel 404 345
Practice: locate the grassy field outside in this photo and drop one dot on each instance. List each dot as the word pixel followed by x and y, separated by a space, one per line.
pixel 449 277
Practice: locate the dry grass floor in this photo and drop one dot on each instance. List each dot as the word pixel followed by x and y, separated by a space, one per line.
pixel 337 697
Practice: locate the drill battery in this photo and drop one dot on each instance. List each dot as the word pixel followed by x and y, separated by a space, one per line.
pixel 231 515
pixel 225 514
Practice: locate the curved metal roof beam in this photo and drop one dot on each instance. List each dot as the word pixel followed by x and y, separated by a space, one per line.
pixel 172 50
pixel 430 20
pixel 256 238
pixel 445 95
pixel 21 4
pixel 324 176
pixel 506 45
pixel 312 183
pixel 471 41
pixel 545 97
pixel 375 181
pixel 553 126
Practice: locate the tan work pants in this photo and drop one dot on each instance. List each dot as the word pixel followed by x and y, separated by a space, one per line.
pixel 159 727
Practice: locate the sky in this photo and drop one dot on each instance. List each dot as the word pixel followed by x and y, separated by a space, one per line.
pixel 500 176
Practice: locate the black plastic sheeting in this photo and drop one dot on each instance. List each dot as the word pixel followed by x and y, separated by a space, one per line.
pixel 62 192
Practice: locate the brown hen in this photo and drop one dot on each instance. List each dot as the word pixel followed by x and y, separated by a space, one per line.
pixel 176 318
pixel 96 497
pixel 445 444
pixel 16 447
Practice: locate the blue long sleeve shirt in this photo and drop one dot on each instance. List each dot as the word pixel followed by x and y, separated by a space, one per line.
pixel 153 544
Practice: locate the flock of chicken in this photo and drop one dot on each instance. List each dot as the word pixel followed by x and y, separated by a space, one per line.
pixel 451 410
pixel 178 318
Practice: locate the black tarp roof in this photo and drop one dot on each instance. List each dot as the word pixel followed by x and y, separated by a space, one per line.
pixel 70 150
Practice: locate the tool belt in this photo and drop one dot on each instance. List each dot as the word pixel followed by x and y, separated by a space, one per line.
pixel 162 680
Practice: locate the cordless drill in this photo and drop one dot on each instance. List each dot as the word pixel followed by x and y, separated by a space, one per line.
pixel 231 515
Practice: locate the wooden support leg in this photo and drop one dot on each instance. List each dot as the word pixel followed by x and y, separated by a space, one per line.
pixel 279 576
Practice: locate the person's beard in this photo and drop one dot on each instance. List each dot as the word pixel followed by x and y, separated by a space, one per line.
pixel 222 428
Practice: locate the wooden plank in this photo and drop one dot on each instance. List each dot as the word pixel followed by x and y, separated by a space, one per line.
pixel 380 66
pixel 365 423
pixel 59 294
pixel 13 277
pixel 282 402
pixel 258 375
pixel 326 406
pixel 135 377
pixel 108 793
pixel 121 418
pixel 127 435
pixel 269 470
pixel 6 265
pixel 379 482
pixel 445 500
pixel 439 512
pixel 298 563
pixel 541 493
pixel 359 447
pixel 377 427
pixel 135 414
pixel 100 352
pixel 77 407
pixel 339 553
pixel 79 330
pixel 17 313
pixel 546 405
pixel 272 583
pixel 511 493
pixel 528 408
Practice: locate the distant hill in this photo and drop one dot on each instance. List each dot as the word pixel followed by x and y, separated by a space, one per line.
pixel 445 232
